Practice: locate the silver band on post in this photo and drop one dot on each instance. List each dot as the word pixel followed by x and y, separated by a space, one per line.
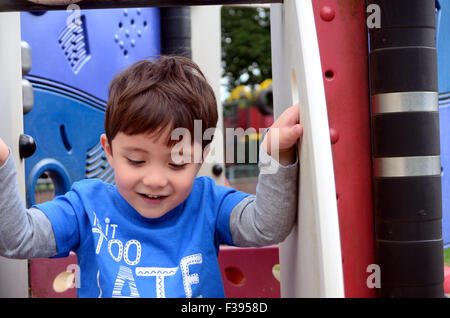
pixel 405 102
pixel 407 166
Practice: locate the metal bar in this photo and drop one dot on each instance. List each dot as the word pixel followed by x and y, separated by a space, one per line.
pixel 405 102
pixel 406 166
pixel 254 5
pixel 26 5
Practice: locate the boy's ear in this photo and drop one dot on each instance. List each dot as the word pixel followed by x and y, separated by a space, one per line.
pixel 107 148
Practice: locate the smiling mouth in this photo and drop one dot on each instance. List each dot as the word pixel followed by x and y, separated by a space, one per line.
pixel 152 197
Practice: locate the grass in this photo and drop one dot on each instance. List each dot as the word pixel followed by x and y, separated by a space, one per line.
pixel 447 257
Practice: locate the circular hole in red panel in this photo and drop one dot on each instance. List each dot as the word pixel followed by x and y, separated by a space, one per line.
pixel 329 75
pixel 235 275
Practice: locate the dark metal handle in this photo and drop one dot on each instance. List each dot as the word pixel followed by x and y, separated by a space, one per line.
pixel 27 146
pixel 217 170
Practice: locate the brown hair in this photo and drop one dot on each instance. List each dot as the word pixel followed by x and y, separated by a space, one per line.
pixel 150 96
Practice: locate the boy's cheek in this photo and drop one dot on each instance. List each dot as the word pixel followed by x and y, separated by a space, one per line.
pixel 124 176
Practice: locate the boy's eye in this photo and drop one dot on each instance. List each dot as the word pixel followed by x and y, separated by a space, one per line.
pixel 135 162
pixel 176 166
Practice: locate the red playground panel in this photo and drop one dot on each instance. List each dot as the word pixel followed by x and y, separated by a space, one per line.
pixel 246 272
pixel 342 37
pixel 44 272
pixel 447 281
pixel 249 272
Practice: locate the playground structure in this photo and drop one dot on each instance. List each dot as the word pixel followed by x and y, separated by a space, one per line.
pixel 250 113
pixel 328 253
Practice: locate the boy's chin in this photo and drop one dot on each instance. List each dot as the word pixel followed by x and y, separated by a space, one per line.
pixel 152 214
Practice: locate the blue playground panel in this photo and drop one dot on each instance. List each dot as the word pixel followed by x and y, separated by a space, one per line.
pixel 444 118
pixel 66 128
pixel 73 63
pixel 87 55
pixel 443 53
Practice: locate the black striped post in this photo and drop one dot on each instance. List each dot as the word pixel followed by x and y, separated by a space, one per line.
pixel 176 31
pixel 405 148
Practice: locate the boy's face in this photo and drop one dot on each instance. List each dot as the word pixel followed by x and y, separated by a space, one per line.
pixel 143 167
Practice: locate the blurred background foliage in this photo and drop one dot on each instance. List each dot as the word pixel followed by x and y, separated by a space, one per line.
pixel 246 56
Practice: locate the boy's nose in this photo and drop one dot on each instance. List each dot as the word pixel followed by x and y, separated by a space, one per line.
pixel 155 179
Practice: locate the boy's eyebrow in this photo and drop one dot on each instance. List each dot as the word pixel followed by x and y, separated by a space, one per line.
pixel 135 149
pixel 131 149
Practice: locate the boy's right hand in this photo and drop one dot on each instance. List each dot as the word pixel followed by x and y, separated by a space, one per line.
pixel 4 152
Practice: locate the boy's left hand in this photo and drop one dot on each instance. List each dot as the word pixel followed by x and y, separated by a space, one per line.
pixel 289 130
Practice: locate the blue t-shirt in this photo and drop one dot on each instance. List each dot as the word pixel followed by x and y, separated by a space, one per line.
pixel 123 254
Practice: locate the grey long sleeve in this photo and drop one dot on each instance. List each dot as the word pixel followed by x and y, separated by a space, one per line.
pixel 267 217
pixel 262 219
pixel 24 233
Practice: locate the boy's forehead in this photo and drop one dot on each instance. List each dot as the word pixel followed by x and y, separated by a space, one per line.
pixel 141 142
pixel 157 135
pixel 146 142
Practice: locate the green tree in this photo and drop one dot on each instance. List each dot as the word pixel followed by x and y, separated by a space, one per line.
pixel 246 56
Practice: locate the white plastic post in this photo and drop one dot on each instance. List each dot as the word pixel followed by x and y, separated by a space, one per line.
pixel 13 273
pixel 310 258
pixel 206 52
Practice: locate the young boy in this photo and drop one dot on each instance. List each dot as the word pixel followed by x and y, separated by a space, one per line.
pixel 157 231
